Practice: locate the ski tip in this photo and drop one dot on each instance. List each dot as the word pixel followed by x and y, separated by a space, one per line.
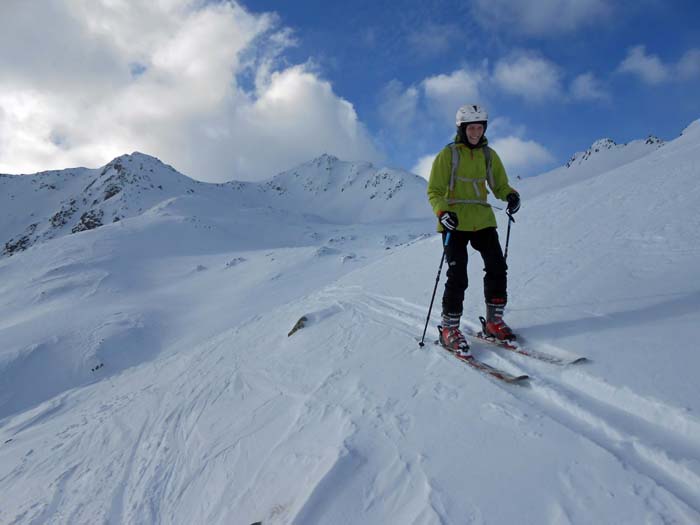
pixel 580 361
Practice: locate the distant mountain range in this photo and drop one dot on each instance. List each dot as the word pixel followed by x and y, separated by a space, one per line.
pixel 51 204
pixel 43 206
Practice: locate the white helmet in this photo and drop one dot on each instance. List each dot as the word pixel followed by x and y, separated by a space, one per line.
pixel 471 113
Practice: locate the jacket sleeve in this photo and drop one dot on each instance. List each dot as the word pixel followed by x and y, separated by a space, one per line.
pixel 439 181
pixel 501 189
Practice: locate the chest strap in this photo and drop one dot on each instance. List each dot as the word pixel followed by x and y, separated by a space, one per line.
pixel 475 182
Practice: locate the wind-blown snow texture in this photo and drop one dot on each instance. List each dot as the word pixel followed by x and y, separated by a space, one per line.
pixel 146 375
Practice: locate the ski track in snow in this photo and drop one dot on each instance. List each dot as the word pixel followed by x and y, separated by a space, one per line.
pixel 654 439
pixel 150 429
pixel 156 482
pixel 136 440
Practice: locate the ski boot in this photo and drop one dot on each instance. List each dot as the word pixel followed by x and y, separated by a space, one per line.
pixel 494 325
pixel 451 337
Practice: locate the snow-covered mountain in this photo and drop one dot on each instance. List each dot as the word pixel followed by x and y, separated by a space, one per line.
pixel 348 192
pixel 603 156
pixel 56 203
pixel 606 154
pixel 52 204
pixel 147 375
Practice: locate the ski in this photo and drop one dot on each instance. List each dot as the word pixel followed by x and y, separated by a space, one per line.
pixel 513 346
pixel 489 370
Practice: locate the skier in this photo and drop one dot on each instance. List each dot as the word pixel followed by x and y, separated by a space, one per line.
pixel 457 193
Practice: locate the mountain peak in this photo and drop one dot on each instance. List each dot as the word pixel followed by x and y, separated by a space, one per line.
pixel 600 148
pixel 327 158
pixel 137 158
pixel 82 200
pixel 604 143
pixel 136 155
pixel 324 161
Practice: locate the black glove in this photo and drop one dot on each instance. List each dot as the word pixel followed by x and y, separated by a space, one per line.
pixel 449 220
pixel 513 203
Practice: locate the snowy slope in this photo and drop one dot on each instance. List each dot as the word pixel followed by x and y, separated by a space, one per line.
pixel 129 274
pixel 604 155
pixel 204 411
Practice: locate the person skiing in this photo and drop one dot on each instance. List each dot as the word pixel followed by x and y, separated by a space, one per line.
pixel 457 191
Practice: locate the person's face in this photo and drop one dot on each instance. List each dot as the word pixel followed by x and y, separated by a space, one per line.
pixel 474 133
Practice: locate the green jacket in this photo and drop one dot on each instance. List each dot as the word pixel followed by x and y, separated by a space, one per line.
pixel 472 167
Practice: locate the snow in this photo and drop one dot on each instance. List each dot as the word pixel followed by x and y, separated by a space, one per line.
pixel 147 375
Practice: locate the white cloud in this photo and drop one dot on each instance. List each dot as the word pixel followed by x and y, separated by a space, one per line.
pixel 531 77
pixel 518 154
pixel 446 93
pixel 398 105
pixel 297 116
pixel 648 67
pixel 588 87
pixel 500 126
pixel 103 78
pixel 652 70
pixel 541 17
pixel 423 166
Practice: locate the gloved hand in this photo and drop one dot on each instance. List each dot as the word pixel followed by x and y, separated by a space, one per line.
pixel 449 220
pixel 513 203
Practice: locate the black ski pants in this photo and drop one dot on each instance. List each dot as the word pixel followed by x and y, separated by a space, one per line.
pixel 495 281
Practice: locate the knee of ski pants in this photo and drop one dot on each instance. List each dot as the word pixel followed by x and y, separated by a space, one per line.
pixel 457 278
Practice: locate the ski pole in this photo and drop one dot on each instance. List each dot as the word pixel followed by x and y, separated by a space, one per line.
pixel 510 219
pixel 432 299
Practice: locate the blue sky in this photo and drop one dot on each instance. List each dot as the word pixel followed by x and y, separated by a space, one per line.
pixel 364 46
pixel 226 90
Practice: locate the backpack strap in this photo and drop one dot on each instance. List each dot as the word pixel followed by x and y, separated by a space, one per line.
pixel 489 171
pixel 453 174
pixel 455 164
